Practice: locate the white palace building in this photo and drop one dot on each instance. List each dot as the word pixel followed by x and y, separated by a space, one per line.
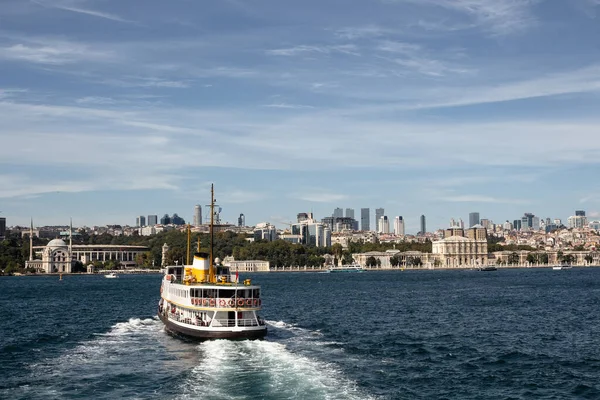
pixel 58 256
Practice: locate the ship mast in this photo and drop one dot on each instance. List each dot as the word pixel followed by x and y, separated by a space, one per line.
pixel 188 245
pixel 211 272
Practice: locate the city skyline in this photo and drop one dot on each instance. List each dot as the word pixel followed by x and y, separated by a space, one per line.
pixel 419 107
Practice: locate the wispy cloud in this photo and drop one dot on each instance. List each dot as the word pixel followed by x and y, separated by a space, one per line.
pixel 349 49
pixel 496 17
pixel 86 11
pixel 469 198
pixel 53 52
pixel 286 105
pixel 318 196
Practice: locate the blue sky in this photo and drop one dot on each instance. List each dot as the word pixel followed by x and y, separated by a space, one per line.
pixel 112 109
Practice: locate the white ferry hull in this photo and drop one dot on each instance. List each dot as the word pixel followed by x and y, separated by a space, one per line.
pixel 213 333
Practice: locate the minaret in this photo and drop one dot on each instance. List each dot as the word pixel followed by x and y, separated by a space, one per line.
pixel 31 241
pixel 71 239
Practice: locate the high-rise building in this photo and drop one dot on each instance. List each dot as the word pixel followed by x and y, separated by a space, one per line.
pixel 2 227
pixel 579 213
pixel 197 215
pixel 473 219
pixel 379 212
pixel 365 219
pixel 338 213
pixel 140 221
pixel 577 221
pixel 349 213
pixel 165 220
pixel 461 223
pixel 242 220
pixel 177 220
pixel 383 225
pixel 152 220
pixel 399 226
pixel 423 225
pixel 517 224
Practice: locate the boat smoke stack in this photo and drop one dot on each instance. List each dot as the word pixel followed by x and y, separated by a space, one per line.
pixel 201 266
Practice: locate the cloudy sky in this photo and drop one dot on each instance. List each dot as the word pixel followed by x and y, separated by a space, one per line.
pixel 111 109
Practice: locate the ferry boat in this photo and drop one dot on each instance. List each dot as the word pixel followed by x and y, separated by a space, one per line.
pixel 207 301
pixel 346 268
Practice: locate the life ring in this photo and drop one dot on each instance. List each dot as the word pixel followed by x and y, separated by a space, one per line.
pixel 240 302
pixel 248 302
pixel 211 302
pixel 222 303
pixel 231 303
pixel 205 302
pixel 255 302
pixel 195 301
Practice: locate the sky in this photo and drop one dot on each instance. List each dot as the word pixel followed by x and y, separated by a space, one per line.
pixel 112 109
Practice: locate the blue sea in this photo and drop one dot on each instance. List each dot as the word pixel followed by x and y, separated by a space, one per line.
pixel 507 334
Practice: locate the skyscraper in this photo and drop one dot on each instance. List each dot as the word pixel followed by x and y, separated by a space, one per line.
pixel 349 213
pixel 365 219
pixel 152 220
pixel 473 219
pixel 423 225
pixel 165 220
pixel 399 226
pixel 242 220
pixel 384 225
pixel 379 212
pixel 579 213
pixel 197 215
pixel 338 213
pixel 140 221
pixel 2 227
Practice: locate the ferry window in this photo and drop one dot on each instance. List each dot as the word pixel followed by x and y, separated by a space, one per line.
pixel 226 293
pixel 256 293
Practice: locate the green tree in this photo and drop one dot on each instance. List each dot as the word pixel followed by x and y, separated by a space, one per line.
pixel 513 258
pixel 395 260
pixel 371 261
pixel 589 258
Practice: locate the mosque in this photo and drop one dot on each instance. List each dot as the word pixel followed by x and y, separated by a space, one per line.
pixel 59 257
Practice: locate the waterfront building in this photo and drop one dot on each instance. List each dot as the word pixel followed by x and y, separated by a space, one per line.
pixel 459 251
pixel 197 215
pixel 58 256
pixel 399 226
pixel 383 225
pixel 365 215
pixel 473 219
pixel 423 225
pixel 379 212
pixel 350 213
pixel 140 221
pixel 152 220
pixel 338 213
pixel 246 265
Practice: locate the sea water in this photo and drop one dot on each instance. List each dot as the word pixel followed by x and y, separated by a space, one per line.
pixel 507 334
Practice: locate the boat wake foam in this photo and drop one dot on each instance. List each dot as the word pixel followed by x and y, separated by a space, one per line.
pixel 265 369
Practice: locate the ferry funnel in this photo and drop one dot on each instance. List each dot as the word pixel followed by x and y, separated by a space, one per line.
pixel 201 266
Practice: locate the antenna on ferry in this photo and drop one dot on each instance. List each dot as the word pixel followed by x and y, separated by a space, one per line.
pixel 188 245
pixel 211 271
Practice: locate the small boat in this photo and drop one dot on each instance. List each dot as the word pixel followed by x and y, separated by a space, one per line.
pixel 561 267
pixel 205 300
pixel 112 275
pixel 346 268
pixel 490 268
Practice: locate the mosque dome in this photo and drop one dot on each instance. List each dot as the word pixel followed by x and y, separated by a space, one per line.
pixel 55 243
